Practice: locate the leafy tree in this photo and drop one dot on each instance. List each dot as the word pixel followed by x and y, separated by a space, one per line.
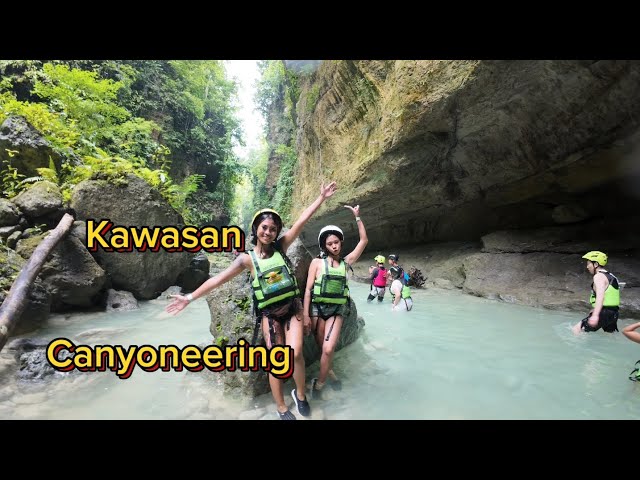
pixel 277 94
pixel 176 118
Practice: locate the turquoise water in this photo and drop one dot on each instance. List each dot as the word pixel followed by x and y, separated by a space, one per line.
pixel 462 357
pixel 453 357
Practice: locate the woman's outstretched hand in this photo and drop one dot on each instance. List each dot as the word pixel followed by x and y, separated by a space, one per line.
pixel 178 304
pixel 355 210
pixel 327 191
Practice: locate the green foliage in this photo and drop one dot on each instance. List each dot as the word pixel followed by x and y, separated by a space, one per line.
pixel 365 90
pixel 88 105
pixel 292 94
pixel 278 94
pixel 11 180
pixel 270 87
pixel 203 208
pixel 116 169
pixel 78 112
pixel 243 303
pixel 52 125
pixel 178 193
pixel 81 96
pixel 312 98
pixel 286 180
pixel 39 229
pixel 14 182
pixel 278 88
pixel 192 101
pixel 171 122
pixel 258 161
pixel 50 173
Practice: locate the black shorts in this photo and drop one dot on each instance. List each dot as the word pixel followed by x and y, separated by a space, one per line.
pixel 327 310
pixel 608 321
pixel 283 310
pixel 279 317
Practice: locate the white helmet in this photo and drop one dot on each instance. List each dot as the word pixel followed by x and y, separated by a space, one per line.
pixel 326 231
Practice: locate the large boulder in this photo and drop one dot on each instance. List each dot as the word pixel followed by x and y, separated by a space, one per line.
pixel 31 358
pixel 70 273
pixel 132 203
pixel 196 274
pixel 41 199
pixel 120 301
pixel 231 319
pixel 30 150
pixel 9 213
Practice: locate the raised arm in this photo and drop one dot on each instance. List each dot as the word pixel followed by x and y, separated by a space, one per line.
pixel 355 254
pixel 241 263
pixel 630 332
pixel 293 233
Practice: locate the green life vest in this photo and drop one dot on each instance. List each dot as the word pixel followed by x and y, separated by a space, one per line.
pixel 332 286
pixel 273 280
pixel 611 294
pixel 404 293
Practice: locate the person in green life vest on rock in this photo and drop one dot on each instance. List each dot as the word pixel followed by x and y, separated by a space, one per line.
pixel 605 297
pixel 276 295
pixel 400 293
pixel 326 298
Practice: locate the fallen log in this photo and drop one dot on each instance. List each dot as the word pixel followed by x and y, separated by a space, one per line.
pixel 16 301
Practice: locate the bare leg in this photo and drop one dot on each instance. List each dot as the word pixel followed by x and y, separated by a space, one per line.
pixel 319 330
pixel 295 338
pixel 275 383
pixel 329 346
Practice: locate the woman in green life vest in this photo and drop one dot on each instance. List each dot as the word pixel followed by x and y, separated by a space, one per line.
pixel 605 296
pixel 326 298
pixel 276 294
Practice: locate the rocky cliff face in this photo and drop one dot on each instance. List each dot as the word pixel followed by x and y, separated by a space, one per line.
pixel 453 150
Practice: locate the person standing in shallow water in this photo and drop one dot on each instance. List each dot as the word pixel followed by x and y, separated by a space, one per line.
pixel 400 293
pixel 326 299
pixel 278 305
pixel 378 277
pixel 605 297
